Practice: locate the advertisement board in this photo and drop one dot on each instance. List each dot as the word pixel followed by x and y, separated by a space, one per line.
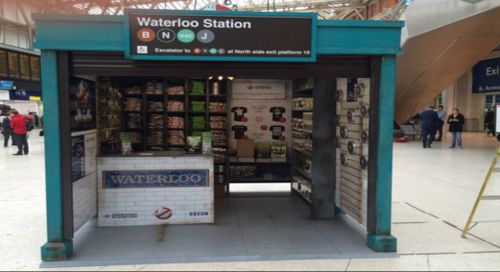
pixel 82 104
pixel 202 35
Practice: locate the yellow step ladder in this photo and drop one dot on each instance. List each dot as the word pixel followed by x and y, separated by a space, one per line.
pixel 481 195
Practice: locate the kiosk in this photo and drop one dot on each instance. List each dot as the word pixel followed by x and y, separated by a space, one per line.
pixel 126 96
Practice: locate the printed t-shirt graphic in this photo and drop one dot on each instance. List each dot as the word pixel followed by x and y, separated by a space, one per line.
pixel 239 114
pixel 277 132
pixel 239 132
pixel 278 114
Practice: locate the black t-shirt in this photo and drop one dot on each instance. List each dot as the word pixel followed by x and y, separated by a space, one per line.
pixel 277 113
pixel 239 131
pixel 239 113
pixel 277 132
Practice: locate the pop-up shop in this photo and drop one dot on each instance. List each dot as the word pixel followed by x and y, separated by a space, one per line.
pixel 152 119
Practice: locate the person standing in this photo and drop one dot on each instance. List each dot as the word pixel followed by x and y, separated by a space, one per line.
pixel 19 125
pixel 6 131
pixel 430 121
pixel 456 123
pixel 442 116
pixel 489 122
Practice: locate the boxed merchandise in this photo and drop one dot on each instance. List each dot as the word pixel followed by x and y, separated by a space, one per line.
pixel 198 122
pixel 132 104
pixel 175 90
pixel 219 137
pixel 217 122
pixel 197 106
pixel 133 90
pixel 263 150
pixel 155 106
pixel 245 148
pixel 175 122
pixel 155 121
pixel 134 120
pixel 219 153
pixel 278 151
pixel 175 137
pixel 197 87
pixel 175 106
pixel 217 106
pixel 155 138
pixel 155 88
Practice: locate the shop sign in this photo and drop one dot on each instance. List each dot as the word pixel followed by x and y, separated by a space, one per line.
pixel 19 95
pixel 155 179
pixel 6 85
pixel 258 90
pixel 486 76
pixel 223 36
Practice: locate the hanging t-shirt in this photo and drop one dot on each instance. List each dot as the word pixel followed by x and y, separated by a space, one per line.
pixel 277 132
pixel 278 114
pixel 239 114
pixel 239 131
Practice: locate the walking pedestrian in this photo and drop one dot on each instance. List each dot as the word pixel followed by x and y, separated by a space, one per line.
pixel 430 121
pixel 6 131
pixel 442 116
pixel 20 125
pixel 456 123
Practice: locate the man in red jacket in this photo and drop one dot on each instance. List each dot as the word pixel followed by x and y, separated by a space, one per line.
pixel 20 131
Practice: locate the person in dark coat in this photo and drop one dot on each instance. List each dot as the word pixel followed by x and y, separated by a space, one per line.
pixel 6 131
pixel 489 122
pixel 430 121
pixel 456 123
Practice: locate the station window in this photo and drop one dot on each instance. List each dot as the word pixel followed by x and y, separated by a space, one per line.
pixel 13 58
pixel 3 63
pixel 35 68
pixel 24 65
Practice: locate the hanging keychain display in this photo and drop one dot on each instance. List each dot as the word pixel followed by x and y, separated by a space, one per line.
pixel 339 95
pixel 343 159
pixel 343 131
pixel 363 162
pixel 365 110
pixel 364 136
pixel 350 147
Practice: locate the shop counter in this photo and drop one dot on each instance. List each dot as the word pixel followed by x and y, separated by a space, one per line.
pixel 154 188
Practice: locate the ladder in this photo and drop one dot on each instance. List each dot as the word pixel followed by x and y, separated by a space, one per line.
pixel 481 195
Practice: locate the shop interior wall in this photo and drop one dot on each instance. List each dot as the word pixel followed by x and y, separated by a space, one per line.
pixel 84 184
pixel 255 108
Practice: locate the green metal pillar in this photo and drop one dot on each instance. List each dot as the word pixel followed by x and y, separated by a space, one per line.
pixel 380 238
pixel 56 248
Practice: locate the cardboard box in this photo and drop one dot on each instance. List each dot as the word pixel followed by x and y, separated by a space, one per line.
pixel 219 190
pixel 245 148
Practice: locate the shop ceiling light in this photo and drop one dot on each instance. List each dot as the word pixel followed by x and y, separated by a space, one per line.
pixel 472 1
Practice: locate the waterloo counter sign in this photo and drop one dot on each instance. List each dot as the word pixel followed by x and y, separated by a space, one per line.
pixel 154 179
pixel 220 36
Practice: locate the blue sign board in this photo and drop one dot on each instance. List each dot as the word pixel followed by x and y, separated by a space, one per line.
pixel 155 179
pixel 6 84
pixel 486 76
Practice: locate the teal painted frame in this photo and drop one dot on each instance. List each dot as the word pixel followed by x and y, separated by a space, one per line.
pixel 381 239
pixel 56 248
pixel 314 37
pixel 79 33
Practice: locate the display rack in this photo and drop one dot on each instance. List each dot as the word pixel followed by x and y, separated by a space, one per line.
pixel 302 148
pixel 168 110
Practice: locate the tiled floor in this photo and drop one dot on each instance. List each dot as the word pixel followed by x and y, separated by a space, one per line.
pixel 433 192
